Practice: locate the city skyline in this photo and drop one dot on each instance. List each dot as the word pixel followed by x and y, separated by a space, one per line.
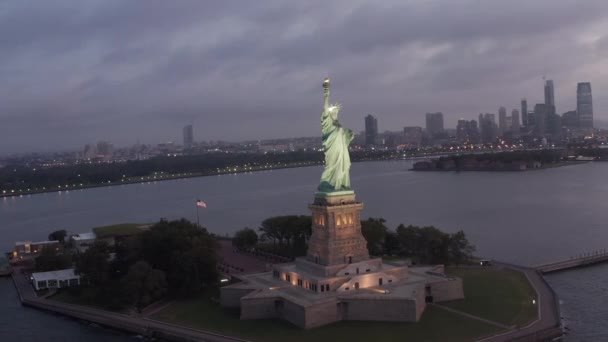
pixel 96 70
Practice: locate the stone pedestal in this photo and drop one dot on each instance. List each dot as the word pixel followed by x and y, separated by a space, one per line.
pixel 336 230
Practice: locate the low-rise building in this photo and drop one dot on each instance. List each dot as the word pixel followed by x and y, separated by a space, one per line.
pixel 83 241
pixel 55 279
pixel 25 250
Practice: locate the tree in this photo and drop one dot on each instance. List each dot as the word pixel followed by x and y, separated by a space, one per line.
pixel 435 245
pixel 245 238
pixel 391 243
pixel 409 237
pixel 58 235
pixel 291 232
pixel 270 229
pixel 94 264
pixel 374 232
pixel 184 252
pixel 460 250
pixel 145 284
pixel 51 260
pixel 128 252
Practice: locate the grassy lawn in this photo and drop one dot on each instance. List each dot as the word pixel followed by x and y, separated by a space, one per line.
pixel 84 298
pixel 504 296
pixel 117 229
pixel 435 325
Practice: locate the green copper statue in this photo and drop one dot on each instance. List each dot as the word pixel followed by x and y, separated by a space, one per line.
pixel 336 175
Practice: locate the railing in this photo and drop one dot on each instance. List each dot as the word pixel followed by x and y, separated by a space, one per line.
pixel 576 261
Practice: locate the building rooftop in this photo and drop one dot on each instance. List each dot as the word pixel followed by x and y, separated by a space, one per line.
pixel 84 236
pixel 19 243
pixel 54 275
pixel 265 285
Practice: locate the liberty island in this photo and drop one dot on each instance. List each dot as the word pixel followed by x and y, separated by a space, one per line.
pixel 338 280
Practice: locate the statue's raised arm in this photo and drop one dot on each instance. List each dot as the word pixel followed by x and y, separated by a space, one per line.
pixel 336 175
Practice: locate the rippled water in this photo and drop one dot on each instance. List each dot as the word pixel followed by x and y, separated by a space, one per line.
pixel 527 218
pixel 584 302
pixel 22 324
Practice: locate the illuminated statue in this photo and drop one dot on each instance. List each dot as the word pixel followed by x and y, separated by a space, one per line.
pixel 336 175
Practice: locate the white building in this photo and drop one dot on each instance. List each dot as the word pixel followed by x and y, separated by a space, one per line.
pixel 55 279
pixel 83 241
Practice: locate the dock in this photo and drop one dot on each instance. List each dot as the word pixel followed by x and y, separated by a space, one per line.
pixel 581 260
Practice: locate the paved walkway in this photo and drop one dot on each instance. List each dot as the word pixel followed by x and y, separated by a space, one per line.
pixel 548 325
pixel 135 325
pixel 458 312
pixel 248 263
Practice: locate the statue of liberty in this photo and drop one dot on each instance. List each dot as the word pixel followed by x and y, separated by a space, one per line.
pixel 336 175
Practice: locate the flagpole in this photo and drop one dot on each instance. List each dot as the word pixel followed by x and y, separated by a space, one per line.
pixel 198 221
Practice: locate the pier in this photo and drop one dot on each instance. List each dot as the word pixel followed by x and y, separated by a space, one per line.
pixel 581 260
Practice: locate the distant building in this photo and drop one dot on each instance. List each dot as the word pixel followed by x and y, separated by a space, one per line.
pixel 412 136
pixel 55 279
pixel 434 124
pixel 524 112
pixel 487 127
pixel 515 122
pixel 90 151
pixel 188 133
pixel 371 130
pixel 584 105
pixel 467 132
pixel 502 120
pixel 540 119
pixel 28 250
pixel 105 149
pixel 83 241
pixel 550 98
pixel 570 119
pixel 554 126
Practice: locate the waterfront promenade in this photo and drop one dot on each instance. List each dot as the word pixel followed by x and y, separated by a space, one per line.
pixel 135 325
pixel 547 326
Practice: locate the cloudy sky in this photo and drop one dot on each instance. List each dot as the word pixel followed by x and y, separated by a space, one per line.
pixel 79 71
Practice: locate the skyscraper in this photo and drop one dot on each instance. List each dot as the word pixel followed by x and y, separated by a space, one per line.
pixel 540 119
pixel 524 112
pixel 371 130
pixel 584 105
pixel 550 97
pixel 570 119
pixel 502 120
pixel 434 123
pixel 515 122
pixel 467 132
pixel 188 136
pixel 487 127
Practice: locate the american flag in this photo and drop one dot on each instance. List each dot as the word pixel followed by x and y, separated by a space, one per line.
pixel 201 204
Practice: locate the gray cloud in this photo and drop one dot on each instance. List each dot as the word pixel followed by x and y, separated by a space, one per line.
pixel 79 71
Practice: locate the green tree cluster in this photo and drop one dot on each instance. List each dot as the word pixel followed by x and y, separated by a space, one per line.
pixel 50 259
pixel 245 238
pixel 288 234
pixel 175 258
pixel 58 235
pixel 427 245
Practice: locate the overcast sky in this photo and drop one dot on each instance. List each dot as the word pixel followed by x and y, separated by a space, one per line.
pixel 74 72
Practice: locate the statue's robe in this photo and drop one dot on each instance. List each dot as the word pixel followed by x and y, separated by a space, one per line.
pixel 336 176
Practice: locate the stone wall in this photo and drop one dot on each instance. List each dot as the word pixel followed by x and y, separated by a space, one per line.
pixel 231 297
pixel 449 289
pixel 368 280
pixel 389 309
pixel 258 308
pixel 322 313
